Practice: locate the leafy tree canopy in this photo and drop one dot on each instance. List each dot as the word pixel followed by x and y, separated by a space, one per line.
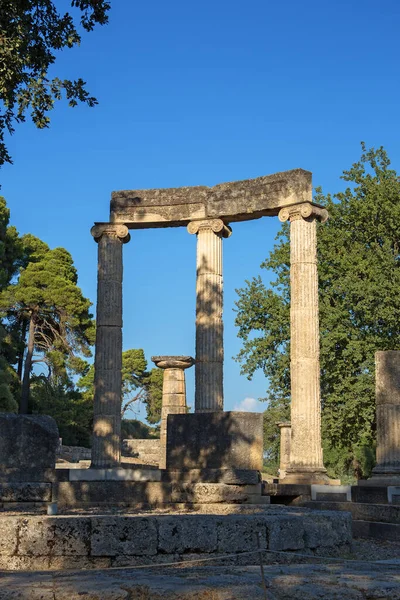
pixel 31 32
pixel 359 279
pixel 138 384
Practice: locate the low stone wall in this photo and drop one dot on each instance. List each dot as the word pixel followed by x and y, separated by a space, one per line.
pixel 64 542
pixel 146 451
pixel 75 453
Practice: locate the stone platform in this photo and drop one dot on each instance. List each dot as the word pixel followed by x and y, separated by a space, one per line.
pixel 34 542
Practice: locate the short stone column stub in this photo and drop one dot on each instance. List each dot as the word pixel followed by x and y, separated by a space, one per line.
pixel 173 394
pixel 106 447
pixel 387 378
pixel 209 396
pixel 285 428
pixel 306 461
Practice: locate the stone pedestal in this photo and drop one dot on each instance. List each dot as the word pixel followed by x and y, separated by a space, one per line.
pixel 219 440
pixel 306 462
pixel 209 396
pixel 387 374
pixel 285 435
pixel 106 446
pixel 173 394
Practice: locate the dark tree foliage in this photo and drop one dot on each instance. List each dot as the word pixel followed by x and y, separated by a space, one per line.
pixel 31 33
pixel 359 279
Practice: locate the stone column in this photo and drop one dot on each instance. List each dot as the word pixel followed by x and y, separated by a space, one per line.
pixel 285 431
pixel 306 462
pixel 209 395
pixel 173 394
pixel 387 376
pixel 106 443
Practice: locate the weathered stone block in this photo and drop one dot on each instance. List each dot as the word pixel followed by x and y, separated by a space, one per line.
pixel 320 532
pixel 240 533
pixel 73 493
pixel 25 492
pixel 113 536
pixel 187 534
pixel 54 536
pixel 206 493
pixel 28 443
pixel 215 440
pixel 285 533
pixel 228 476
pixel 8 536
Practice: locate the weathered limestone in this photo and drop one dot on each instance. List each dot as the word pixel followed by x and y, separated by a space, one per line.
pixel 387 376
pixel 219 440
pixel 233 201
pixel 306 462
pixel 43 543
pixel 173 394
pixel 209 395
pixel 28 445
pixel 106 445
pixel 285 435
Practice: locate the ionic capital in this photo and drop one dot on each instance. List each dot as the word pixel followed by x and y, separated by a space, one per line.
pixel 216 225
pixel 115 230
pixel 305 210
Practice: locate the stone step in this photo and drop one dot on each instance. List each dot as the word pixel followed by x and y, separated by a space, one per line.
pixel 377 530
pixel 378 513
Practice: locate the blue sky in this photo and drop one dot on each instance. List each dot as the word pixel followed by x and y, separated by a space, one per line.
pixel 198 94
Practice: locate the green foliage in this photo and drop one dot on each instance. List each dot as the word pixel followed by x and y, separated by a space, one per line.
pixel 48 312
pixel 31 32
pixel 131 429
pixel 138 384
pixel 72 412
pixel 359 279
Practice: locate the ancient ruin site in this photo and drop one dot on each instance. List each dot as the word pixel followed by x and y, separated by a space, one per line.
pixel 191 514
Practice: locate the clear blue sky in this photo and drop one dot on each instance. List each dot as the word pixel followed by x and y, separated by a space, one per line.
pixel 198 94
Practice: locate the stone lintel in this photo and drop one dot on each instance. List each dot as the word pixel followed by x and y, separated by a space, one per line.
pixel 173 362
pixel 235 201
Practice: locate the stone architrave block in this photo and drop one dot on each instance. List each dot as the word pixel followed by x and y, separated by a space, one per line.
pixel 130 536
pixel 198 533
pixel 28 445
pixel 216 440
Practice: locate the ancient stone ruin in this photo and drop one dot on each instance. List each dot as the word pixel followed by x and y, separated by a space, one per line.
pixel 208 213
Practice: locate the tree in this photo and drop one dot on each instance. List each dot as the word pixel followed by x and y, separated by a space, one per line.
pixel 58 325
pixel 31 32
pixel 359 278
pixel 138 384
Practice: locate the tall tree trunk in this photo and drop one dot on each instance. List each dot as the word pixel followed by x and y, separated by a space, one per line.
pixel 24 327
pixel 23 407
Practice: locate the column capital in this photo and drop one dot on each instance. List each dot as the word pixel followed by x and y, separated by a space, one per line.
pixel 304 210
pixel 216 225
pixel 173 362
pixel 116 230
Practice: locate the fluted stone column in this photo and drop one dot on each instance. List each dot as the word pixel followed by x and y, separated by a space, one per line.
pixel 173 394
pixel 285 435
pixel 387 377
pixel 209 395
pixel 306 461
pixel 106 444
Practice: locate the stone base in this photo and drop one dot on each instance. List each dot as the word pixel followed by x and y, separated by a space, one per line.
pixel 310 476
pixel 87 541
pixel 217 440
pixel 380 481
